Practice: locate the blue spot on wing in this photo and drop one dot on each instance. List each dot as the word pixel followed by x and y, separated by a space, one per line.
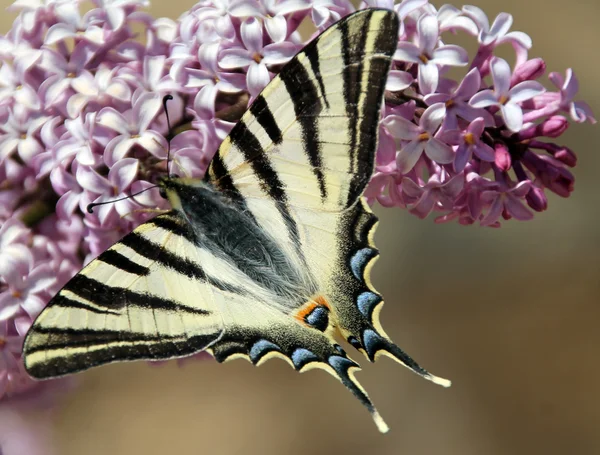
pixel 370 340
pixel 366 301
pixel 359 260
pixel 319 318
pixel 340 364
pixel 260 348
pixel 301 357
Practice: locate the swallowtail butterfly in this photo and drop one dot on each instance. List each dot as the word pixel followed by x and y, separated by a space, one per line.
pixel 270 254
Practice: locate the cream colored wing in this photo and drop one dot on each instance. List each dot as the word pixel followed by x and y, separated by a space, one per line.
pixel 146 297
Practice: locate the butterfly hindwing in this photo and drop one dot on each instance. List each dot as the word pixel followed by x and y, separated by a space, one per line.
pixel 298 162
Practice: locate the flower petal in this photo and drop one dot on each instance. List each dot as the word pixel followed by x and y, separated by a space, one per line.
pixel 252 35
pixel 484 98
pixel 40 278
pixel 92 181
pixel 428 33
pixel 513 116
pixel 525 90
pixel 494 211
pixel 123 173
pixel 398 80
pixel 154 143
pixel 113 119
pixel 58 32
pixel 235 58
pixel 438 151
pixel 499 28
pixel 428 77
pixel 478 16
pixel 145 109
pixel 257 78
pixel 409 155
pixel 204 103
pixel 433 117
pixel 516 208
pixel 424 205
pixel 463 155
pixel 401 128
pixel 469 86
pixel 116 149
pixel 153 68
pixel 276 28
pixel 407 52
pixel 231 82
pixel 520 38
pixel 501 75
pixel 450 55
pixel 279 53
pixel 484 152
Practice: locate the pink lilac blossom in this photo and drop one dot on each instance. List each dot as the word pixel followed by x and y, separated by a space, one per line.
pixel 80 103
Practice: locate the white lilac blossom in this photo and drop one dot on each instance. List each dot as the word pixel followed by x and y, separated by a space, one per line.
pixel 504 97
pixel 80 103
pixel 416 139
pixel 255 57
pixel 428 54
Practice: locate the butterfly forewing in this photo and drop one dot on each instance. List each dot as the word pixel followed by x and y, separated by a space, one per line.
pixel 147 297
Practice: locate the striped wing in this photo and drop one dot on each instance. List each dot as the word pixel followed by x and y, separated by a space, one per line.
pixel 304 151
pixel 298 162
pixel 308 140
pixel 147 297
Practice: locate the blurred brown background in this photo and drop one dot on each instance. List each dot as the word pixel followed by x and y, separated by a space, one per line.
pixel 510 315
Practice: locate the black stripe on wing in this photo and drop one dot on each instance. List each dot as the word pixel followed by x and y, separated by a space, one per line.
pixel 117 298
pixel 173 222
pixel 67 303
pixel 353 54
pixel 121 262
pixel 264 116
pixel 315 66
pixel 158 253
pixel 219 176
pixel 247 143
pixel 363 132
pixel 307 106
pixel 83 349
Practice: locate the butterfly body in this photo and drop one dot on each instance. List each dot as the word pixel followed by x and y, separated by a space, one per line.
pixel 267 257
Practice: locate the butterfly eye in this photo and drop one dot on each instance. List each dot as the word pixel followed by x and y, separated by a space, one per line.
pixel 318 318
pixel 162 193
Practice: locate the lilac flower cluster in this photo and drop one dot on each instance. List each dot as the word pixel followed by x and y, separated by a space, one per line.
pixel 82 121
pixel 476 150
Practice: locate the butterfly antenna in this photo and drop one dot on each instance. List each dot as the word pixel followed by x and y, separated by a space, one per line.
pixel 167 98
pixel 90 207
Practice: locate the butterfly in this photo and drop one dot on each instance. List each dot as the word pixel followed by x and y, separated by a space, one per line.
pixel 270 254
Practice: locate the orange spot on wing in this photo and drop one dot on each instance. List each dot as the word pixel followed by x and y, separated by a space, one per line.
pixel 309 306
pixel 320 300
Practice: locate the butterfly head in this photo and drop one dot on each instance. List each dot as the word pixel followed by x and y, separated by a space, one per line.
pixel 171 187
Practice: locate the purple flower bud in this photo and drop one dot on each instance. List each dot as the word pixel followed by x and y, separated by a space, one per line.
pixel 502 156
pixel 563 154
pixel 550 173
pixel 536 199
pixel 551 127
pixel 528 71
